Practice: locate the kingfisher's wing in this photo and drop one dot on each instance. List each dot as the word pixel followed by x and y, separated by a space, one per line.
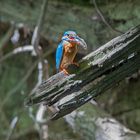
pixel 59 56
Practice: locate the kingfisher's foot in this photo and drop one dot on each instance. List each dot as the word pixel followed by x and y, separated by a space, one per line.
pixel 65 71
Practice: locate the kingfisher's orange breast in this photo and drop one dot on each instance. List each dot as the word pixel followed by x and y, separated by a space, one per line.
pixel 70 51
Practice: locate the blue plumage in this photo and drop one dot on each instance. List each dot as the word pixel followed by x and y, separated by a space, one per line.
pixel 59 55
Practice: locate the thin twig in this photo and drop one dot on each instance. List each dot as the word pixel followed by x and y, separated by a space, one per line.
pixel 103 18
pixel 36 34
pixel 27 48
pixel 12 127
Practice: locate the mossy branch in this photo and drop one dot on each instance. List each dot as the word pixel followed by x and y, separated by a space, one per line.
pixel 98 71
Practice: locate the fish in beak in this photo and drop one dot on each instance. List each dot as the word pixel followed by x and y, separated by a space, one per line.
pixel 81 42
pixel 71 36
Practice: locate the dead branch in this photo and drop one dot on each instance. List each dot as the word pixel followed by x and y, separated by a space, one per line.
pixel 98 71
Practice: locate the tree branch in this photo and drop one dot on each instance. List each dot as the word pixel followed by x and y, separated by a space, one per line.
pixel 36 34
pixel 98 71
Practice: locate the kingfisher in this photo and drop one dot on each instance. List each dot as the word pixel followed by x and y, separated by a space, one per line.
pixel 67 50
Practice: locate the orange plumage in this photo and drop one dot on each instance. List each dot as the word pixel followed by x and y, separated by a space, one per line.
pixel 70 51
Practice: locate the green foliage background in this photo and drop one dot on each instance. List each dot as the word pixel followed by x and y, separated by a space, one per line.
pixel 60 16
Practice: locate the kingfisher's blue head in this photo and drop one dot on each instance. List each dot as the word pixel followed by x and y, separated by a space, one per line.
pixel 71 36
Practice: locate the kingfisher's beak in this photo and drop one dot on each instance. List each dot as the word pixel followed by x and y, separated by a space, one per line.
pixel 81 42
